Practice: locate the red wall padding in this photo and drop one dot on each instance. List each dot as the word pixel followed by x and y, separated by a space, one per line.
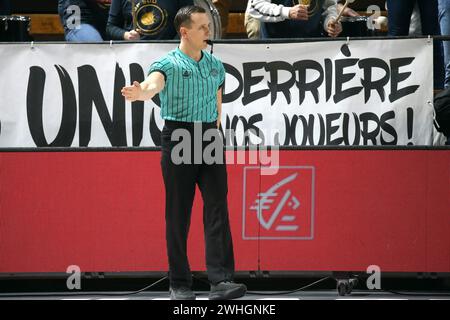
pixel 104 211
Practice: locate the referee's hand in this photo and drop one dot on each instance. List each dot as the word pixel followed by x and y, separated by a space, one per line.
pixel 133 92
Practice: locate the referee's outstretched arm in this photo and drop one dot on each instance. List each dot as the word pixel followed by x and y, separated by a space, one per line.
pixel 146 89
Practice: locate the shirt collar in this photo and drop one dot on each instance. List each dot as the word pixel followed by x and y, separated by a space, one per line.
pixel 185 56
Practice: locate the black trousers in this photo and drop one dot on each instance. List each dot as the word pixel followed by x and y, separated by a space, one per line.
pixel 180 181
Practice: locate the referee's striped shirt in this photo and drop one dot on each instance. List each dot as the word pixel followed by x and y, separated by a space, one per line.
pixel 190 91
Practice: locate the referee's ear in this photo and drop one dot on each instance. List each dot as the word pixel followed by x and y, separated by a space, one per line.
pixel 183 32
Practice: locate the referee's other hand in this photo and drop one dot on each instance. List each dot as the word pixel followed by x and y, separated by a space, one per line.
pixel 132 93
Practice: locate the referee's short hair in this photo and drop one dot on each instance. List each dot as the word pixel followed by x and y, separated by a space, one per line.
pixel 183 16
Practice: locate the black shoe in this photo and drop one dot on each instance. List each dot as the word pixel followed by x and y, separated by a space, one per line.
pixel 227 290
pixel 181 293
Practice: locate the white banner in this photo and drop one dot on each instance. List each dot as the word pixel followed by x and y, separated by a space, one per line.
pixel 323 93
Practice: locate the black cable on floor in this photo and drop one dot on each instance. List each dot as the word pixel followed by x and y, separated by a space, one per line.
pixel 443 294
pixel 69 294
pixel 290 291
pixel 278 292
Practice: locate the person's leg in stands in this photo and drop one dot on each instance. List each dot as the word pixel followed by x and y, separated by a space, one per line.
pixel 399 16
pixel 430 26
pixel 84 33
pixel 444 21
pixel 252 25
pixel 224 8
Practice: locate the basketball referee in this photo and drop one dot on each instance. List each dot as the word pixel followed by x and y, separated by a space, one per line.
pixel 189 82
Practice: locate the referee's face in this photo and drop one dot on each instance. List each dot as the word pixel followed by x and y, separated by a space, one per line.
pixel 199 31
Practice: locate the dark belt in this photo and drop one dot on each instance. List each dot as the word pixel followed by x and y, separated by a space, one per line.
pixel 170 124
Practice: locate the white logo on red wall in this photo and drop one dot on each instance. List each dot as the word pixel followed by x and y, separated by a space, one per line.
pixel 279 206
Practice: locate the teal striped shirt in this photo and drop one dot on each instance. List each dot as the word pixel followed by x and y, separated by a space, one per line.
pixel 190 91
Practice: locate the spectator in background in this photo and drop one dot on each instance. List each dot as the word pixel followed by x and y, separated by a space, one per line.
pixel 444 21
pixel 153 21
pixel 90 25
pixel 223 6
pixel 415 26
pixel 399 16
pixel 252 25
pixel 348 12
pixel 5 7
pixel 291 19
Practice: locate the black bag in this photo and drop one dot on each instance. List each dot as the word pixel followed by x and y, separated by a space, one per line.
pixel 442 109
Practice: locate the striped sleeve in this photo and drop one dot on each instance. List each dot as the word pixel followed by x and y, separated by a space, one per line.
pixel 221 76
pixel 163 66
